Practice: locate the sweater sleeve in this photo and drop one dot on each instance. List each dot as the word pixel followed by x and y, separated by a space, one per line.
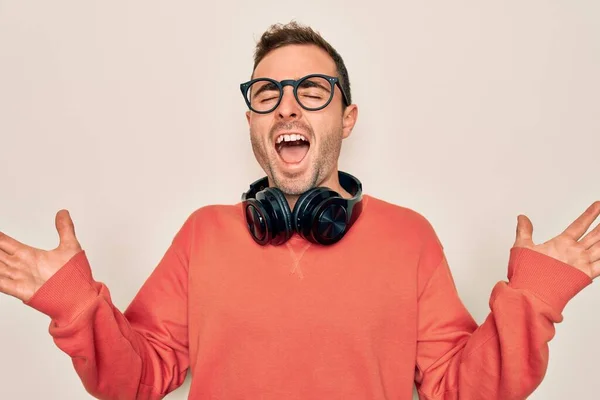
pixel 139 354
pixel 507 355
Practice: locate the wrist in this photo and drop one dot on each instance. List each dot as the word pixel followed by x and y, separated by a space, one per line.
pixel 550 279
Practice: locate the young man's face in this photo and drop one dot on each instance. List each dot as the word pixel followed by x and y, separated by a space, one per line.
pixel 296 167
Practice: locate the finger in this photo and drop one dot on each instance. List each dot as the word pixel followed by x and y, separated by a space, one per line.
pixel 6 271
pixel 8 286
pixel 9 245
pixel 524 232
pixel 591 238
pixel 65 228
pixel 5 258
pixel 583 222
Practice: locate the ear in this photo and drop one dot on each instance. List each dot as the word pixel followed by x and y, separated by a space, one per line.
pixel 248 117
pixel 349 119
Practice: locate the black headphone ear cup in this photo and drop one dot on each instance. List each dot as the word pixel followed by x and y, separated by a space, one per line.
pixel 330 221
pixel 258 220
pixel 301 209
pixel 280 214
pixel 308 212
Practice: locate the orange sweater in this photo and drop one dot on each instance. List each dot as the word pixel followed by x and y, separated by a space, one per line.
pixel 362 319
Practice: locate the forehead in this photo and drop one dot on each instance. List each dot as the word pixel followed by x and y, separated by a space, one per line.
pixel 295 61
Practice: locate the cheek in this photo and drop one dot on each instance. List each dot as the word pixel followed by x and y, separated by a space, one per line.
pixel 259 132
pixel 257 128
pixel 326 126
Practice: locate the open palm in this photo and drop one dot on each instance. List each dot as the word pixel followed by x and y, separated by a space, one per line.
pixel 24 269
pixel 569 247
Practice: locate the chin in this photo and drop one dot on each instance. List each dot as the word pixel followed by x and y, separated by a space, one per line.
pixel 294 184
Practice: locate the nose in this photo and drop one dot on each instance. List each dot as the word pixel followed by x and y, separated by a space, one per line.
pixel 289 107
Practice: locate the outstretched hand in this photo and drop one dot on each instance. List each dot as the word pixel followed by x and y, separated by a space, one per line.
pixel 569 247
pixel 24 269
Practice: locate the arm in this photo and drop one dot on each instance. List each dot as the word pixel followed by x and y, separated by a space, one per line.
pixel 139 354
pixel 507 356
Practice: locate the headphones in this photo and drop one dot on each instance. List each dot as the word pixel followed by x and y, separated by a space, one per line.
pixel 320 215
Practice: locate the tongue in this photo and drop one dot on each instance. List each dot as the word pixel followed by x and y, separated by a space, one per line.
pixel 293 153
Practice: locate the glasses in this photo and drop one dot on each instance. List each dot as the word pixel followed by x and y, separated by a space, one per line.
pixel 313 92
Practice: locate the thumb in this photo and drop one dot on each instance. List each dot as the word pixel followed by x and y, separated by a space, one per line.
pixel 524 232
pixel 66 229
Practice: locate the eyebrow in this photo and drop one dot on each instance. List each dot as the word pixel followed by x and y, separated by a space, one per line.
pixel 265 87
pixel 309 83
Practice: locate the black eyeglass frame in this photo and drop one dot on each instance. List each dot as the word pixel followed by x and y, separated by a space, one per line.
pixel 294 83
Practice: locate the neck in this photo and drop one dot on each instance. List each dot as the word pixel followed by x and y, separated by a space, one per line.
pixel 331 182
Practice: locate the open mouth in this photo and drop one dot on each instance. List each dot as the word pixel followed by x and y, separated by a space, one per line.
pixel 292 148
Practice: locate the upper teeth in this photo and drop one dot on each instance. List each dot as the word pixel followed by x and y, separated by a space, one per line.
pixel 290 138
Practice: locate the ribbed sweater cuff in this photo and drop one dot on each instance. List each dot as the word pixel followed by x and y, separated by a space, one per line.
pixel 553 281
pixel 66 294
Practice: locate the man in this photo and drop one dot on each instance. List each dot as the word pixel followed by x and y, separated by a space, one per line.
pixel 308 288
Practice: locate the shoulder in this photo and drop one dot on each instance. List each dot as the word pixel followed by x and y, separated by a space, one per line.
pixel 212 220
pixel 399 220
pixel 215 216
pixel 212 226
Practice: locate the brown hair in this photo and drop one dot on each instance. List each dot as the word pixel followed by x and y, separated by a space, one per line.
pixel 279 35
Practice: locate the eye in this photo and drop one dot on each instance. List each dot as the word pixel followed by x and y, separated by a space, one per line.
pixel 314 88
pixel 267 99
pixel 262 91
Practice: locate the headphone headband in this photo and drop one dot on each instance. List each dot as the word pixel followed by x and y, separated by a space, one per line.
pixel 320 215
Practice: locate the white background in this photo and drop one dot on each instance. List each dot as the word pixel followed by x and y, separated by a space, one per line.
pixel 129 114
